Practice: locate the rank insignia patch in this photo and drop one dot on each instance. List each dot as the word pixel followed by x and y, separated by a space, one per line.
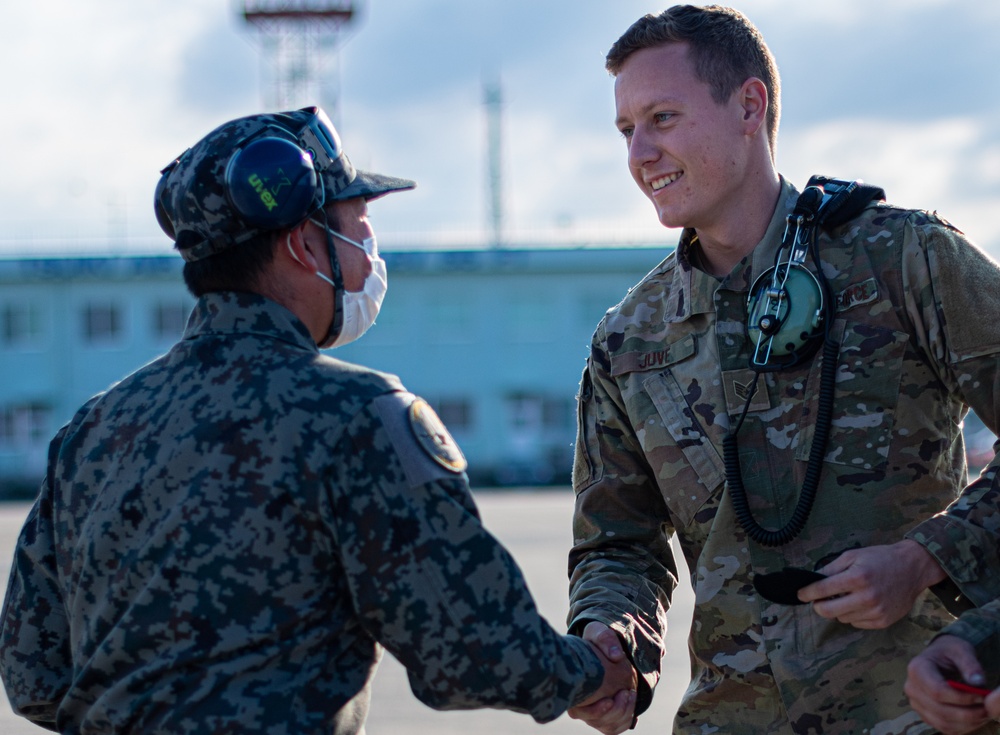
pixel 434 438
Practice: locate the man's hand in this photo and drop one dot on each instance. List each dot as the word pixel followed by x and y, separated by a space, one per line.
pixel 952 712
pixel 993 704
pixel 875 586
pixel 610 709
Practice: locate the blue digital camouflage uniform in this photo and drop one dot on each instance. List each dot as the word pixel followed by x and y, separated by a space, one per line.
pixel 917 314
pixel 225 540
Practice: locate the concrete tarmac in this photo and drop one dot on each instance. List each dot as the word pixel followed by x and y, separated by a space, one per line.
pixel 535 527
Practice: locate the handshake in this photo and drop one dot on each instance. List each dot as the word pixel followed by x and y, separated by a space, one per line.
pixel 611 708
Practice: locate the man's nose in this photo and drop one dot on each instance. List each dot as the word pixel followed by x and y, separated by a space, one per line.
pixel 641 149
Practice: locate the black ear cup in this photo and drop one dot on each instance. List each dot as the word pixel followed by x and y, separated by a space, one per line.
pixel 272 184
pixel 162 218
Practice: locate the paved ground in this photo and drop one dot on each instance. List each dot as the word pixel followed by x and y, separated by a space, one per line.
pixel 535 526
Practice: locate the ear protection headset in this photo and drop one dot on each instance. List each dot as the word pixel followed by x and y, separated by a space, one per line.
pixel 786 309
pixel 273 178
pixel 273 182
pixel 790 312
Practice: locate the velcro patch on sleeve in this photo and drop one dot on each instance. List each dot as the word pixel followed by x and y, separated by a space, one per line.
pixel 434 438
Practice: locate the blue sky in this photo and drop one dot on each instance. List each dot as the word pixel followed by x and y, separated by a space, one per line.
pixel 100 94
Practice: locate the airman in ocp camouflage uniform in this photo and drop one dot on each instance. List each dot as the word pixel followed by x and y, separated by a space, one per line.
pixel 916 309
pixel 225 540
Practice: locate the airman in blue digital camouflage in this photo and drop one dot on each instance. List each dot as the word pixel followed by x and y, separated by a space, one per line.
pixel 227 540
pixel 784 395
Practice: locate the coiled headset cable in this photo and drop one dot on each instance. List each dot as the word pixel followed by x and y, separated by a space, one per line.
pixel 815 207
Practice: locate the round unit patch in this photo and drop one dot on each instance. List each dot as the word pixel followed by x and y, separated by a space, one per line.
pixel 434 438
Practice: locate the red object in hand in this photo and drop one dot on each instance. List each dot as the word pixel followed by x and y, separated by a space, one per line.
pixel 961 686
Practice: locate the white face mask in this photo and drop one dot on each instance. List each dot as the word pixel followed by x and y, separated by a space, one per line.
pixel 360 307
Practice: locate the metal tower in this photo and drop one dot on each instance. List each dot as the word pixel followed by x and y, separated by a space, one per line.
pixel 299 40
pixel 494 103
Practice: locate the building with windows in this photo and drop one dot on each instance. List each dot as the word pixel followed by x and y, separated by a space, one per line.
pixel 495 340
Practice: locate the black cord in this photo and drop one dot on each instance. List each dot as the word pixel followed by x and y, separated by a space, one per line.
pixel 821 435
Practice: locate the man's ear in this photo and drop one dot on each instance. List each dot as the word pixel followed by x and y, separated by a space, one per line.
pixel 301 247
pixel 754 101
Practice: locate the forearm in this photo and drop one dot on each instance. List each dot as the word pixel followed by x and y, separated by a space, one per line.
pixel 440 593
pixel 981 628
pixel 963 540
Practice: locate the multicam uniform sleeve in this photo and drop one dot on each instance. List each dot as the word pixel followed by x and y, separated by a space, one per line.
pixel 981 628
pixel 622 570
pixel 953 298
pixel 432 585
pixel 35 657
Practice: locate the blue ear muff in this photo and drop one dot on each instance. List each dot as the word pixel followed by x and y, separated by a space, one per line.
pixel 272 184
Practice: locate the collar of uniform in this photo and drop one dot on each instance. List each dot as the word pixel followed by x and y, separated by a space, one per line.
pixel 688 295
pixel 237 312
pixel 762 256
pixel 693 290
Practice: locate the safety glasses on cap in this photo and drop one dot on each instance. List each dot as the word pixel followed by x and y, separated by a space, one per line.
pixel 320 140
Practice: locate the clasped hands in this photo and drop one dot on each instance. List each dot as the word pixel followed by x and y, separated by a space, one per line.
pixel 610 709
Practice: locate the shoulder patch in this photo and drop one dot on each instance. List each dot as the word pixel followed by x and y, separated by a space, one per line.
pixel 433 437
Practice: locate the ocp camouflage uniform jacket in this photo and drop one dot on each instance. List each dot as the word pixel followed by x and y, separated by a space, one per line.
pixel 981 628
pixel 918 319
pixel 224 539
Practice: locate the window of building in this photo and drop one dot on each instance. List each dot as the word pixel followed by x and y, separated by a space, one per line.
pixel 23 425
pixel 558 413
pixel 550 414
pixel 169 320
pixel 20 324
pixel 102 322
pixel 456 413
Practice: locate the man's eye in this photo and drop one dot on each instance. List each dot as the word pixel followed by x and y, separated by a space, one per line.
pixel 662 116
pixel 627 132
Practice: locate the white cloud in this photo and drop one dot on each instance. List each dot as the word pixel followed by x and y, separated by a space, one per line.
pixel 99 94
pixel 949 165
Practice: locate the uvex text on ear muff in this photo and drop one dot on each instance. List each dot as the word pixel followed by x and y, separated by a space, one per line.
pixel 274 178
pixel 272 183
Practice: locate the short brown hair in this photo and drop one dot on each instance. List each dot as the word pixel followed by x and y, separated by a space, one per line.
pixel 726 49
pixel 240 268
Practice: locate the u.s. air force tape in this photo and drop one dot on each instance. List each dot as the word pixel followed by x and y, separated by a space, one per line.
pixel 434 438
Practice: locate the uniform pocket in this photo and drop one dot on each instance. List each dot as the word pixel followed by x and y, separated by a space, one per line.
pixel 587 466
pixel 697 471
pixel 869 370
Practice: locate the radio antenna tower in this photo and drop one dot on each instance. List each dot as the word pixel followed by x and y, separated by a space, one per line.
pixel 299 40
pixel 493 100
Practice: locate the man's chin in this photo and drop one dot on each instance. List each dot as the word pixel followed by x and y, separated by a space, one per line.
pixel 670 219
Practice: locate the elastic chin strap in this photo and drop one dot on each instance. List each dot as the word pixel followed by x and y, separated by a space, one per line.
pixel 337 323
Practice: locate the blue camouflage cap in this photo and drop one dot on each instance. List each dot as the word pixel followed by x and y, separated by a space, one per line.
pixel 257 174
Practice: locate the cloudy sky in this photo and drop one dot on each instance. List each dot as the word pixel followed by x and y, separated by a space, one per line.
pixel 100 94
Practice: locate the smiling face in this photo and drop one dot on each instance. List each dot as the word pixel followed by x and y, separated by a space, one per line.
pixel 688 153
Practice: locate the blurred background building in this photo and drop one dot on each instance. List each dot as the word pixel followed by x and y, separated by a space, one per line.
pixel 494 339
